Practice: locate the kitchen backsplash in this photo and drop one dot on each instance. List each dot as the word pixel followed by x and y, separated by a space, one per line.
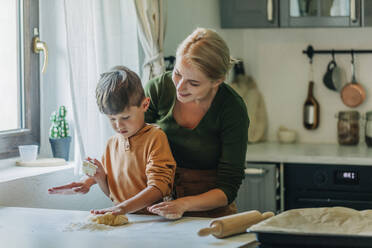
pixel 274 58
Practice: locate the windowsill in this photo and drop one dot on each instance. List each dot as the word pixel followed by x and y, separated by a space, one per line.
pixel 9 171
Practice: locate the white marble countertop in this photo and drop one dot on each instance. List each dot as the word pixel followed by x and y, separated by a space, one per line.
pixel 309 153
pixel 39 228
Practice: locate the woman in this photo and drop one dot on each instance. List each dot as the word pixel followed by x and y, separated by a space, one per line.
pixel 207 127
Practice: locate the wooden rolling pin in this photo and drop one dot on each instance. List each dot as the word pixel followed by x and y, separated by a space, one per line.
pixel 234 224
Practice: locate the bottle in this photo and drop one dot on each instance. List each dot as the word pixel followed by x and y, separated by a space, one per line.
pixel 368 132
pixel 311 109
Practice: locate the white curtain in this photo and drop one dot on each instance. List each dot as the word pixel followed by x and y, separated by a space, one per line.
pixel 151 26
pixel 99 35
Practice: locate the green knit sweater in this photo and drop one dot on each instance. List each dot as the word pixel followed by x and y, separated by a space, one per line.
pixel 219 141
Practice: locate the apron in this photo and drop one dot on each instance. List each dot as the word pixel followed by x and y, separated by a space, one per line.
pixel 190 182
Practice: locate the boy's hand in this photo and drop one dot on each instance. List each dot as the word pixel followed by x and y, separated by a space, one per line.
pixel 114 210
pixel 71 188
pixel 170 209
pixel 100 174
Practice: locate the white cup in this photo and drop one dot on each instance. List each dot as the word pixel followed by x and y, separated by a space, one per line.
pixel 28 152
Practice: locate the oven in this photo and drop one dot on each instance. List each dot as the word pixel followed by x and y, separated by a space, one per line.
pixel 327 185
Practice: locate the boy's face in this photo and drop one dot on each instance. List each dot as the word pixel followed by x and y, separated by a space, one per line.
pixel 131 120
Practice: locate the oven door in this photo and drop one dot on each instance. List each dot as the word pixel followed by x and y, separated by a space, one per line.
pixel 310 185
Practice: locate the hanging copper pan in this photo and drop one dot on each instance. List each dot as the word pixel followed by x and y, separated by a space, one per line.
pixel 353 93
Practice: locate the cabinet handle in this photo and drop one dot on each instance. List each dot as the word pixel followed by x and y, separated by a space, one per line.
pixel 353 11
pixel 270 10
pixel 255 171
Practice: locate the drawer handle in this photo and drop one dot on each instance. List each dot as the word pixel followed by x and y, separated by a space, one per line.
pixel 352 11
pixel 270 10
pixel 255 171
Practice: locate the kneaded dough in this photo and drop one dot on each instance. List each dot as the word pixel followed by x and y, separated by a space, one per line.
pixel 173 216
pixel 110 219
pixel 335 220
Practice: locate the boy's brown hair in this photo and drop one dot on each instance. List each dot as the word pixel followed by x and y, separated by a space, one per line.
pixel 118 89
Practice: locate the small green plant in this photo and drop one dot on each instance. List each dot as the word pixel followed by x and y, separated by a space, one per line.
pixel 59 128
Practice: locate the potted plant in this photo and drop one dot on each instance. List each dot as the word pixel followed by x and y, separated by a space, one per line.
pixel 59 137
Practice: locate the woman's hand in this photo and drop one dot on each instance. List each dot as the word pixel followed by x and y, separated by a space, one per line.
pixel 116 210
pixel 71 188
pixel 170 209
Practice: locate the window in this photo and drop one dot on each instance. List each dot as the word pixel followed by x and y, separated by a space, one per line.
pixel 19 86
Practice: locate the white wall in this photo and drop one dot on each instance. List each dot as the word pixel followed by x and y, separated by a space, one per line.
pixel 274 58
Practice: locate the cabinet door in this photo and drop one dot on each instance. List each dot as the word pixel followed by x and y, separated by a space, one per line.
pixel 320 13
pixel 367 13
pixel 249 13
pixel 258 189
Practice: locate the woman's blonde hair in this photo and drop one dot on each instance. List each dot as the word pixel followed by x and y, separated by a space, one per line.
pixel 206 50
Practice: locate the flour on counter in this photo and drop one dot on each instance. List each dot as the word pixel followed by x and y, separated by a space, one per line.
pixel 87 225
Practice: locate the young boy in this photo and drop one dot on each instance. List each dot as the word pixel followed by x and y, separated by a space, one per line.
pixel 137 167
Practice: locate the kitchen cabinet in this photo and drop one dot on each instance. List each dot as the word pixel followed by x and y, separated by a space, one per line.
pixel 295 13
pixel 321 162
pixel 249 14
pixel 259 188
pixel 320 13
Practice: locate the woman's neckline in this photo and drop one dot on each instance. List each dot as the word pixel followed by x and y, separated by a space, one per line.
pixel 202 120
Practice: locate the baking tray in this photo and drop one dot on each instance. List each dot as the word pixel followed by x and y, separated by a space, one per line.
pixel 285 239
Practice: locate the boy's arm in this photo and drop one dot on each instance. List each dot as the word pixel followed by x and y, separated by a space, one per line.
pixel 81 187
pixel 141 200
pixel 103 185
pixel 101 178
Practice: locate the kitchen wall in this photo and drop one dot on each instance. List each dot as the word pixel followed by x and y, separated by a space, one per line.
pixel 274 58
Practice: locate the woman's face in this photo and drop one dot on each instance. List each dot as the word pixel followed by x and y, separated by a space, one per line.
pixel 191 84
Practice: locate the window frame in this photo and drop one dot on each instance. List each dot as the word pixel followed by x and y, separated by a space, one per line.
pixel 30 80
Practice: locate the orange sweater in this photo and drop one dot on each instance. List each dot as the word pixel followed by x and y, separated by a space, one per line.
pixel 142 160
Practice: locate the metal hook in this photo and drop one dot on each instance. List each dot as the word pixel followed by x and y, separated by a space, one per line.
pixel 310 53
pixel 333 55
pixel 352 56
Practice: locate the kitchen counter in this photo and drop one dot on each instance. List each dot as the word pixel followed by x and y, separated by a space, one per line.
pixel 309 153
pixel 39 228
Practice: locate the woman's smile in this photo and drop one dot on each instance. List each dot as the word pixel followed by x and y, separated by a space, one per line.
pixel 183 94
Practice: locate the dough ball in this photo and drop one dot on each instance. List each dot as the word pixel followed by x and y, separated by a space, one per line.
pixel 173 216
pixel 110 219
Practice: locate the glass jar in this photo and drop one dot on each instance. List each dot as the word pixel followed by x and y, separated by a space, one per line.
pixel 368 132
pixel 348 127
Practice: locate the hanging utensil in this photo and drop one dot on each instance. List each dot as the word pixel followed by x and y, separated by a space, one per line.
pixel 353 93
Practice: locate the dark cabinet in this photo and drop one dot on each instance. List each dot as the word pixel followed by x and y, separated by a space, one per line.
pixel 295 13
pixel 259 189
pixel 249 13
